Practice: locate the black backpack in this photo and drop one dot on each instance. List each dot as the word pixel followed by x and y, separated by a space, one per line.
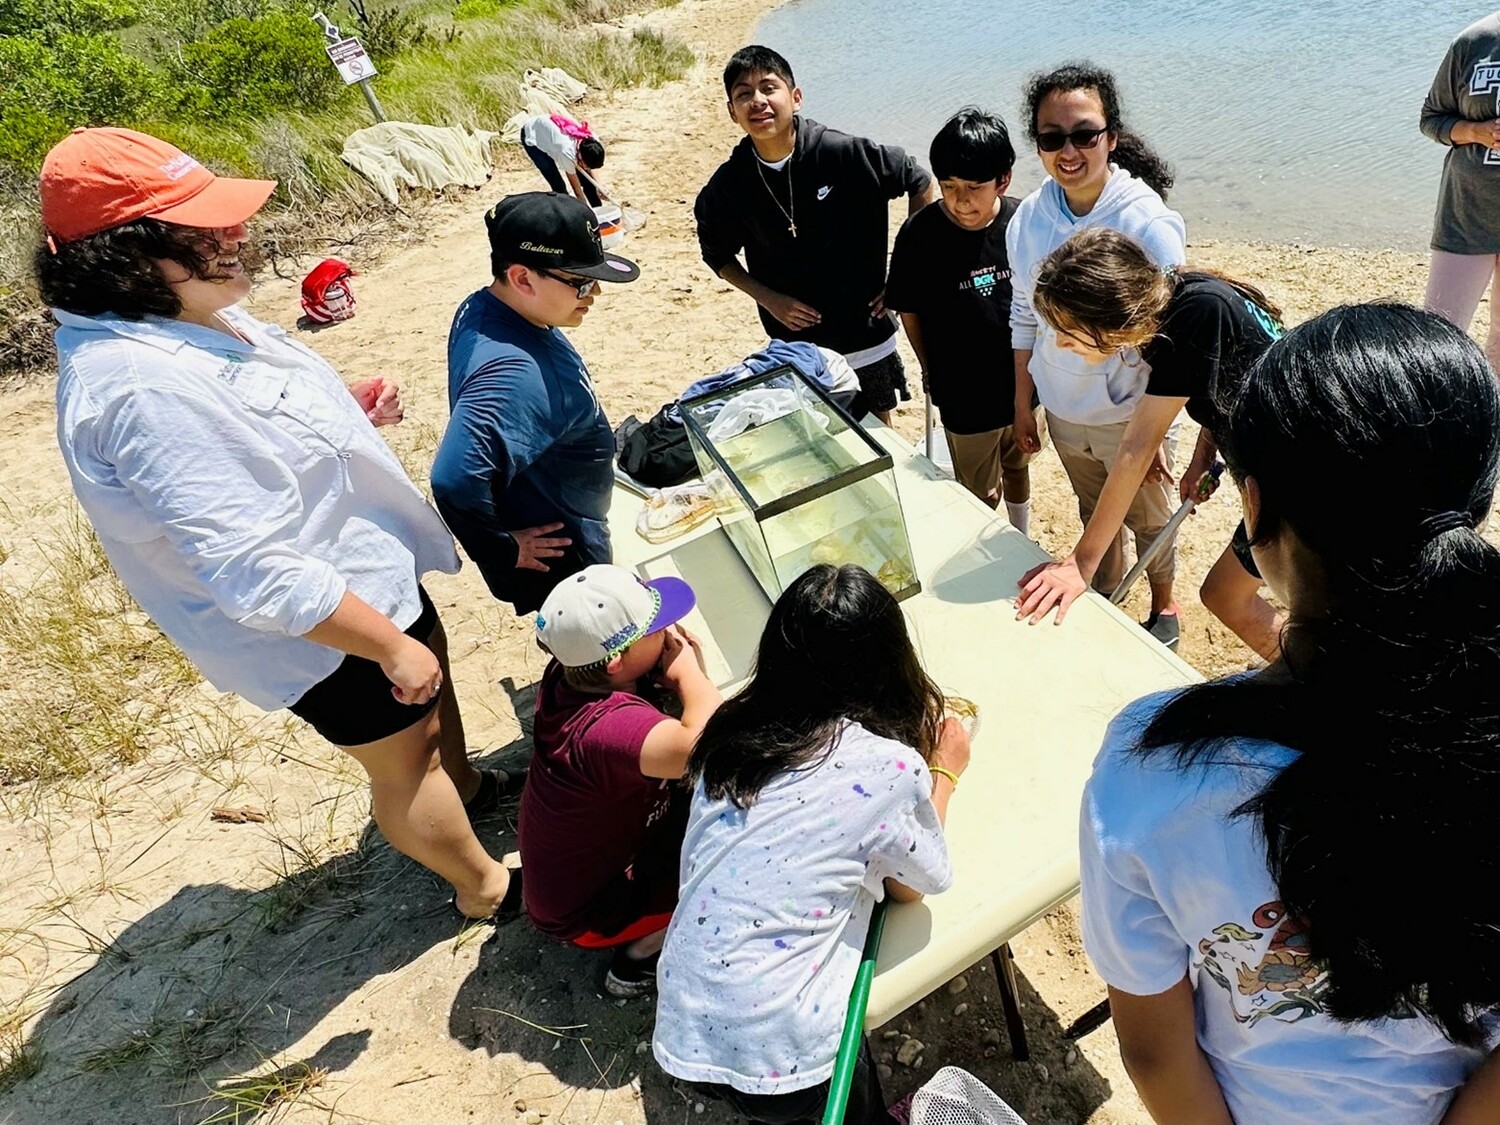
pixel 657 452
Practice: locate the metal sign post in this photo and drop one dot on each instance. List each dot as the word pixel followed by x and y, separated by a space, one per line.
pixel 354 64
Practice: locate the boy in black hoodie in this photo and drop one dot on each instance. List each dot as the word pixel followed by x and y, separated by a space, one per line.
pixel 808 206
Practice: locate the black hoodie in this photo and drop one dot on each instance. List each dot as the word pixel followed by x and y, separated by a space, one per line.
pixel 840 188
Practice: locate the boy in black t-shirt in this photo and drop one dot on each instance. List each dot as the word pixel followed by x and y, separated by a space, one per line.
pixel 950 280
pixel 808 206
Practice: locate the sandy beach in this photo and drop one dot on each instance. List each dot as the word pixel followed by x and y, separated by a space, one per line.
pixel 161 957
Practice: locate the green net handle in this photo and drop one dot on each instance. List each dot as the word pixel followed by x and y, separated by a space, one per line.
pixel 854 1021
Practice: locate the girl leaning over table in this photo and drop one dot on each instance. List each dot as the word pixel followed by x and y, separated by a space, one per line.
pixel 818 789
pixel 1288 876
pixel 242 494
pixel 1099 175
pixel 1197 333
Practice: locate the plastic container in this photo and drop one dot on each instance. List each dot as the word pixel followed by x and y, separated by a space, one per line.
pixel 611 224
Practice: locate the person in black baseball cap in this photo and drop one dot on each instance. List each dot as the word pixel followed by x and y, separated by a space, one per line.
pixel 524 472
pixel 550 231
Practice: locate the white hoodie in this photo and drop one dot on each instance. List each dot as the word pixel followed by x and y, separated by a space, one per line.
pixel 1089 394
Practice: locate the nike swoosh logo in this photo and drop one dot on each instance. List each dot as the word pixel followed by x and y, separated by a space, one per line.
pixel 823 192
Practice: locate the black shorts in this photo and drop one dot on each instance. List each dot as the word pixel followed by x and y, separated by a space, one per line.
pixel 1240 545
pixel 353 705
pixel 881 385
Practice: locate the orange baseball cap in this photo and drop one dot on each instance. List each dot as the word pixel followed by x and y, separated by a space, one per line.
pixel 95 179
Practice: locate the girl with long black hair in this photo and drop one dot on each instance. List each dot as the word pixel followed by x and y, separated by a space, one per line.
pixel 1099 174
pixel 820 787
pixel 1196 331
pixel 1289 877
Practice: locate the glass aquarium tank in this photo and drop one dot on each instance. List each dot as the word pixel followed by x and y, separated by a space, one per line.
pixel 797 482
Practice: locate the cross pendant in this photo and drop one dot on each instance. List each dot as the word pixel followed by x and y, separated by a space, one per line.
pixel 793 229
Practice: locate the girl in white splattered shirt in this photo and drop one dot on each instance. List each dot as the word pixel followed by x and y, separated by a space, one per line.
pixel 821 787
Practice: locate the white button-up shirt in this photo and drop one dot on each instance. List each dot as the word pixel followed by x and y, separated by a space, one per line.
pixel 239 490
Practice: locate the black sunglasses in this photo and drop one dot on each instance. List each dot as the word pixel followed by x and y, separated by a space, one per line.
pixel 1081 138
pixel 583 285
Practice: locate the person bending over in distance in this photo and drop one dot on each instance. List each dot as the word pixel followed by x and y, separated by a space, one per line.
pixel 243 496
pixel 525 468
pixel 567 155
pixel 950 281
pixel 601 818
pixel 818 789
pixel 1199 333
pixel 1099 175
pixel 1258 852
pixel 1462 111
pixel 808 206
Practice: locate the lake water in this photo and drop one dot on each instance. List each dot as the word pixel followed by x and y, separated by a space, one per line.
pixel 1284 120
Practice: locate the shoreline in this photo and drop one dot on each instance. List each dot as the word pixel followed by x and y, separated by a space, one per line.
pixel 369 980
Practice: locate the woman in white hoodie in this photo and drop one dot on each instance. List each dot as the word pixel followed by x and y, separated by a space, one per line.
pixel 1099 175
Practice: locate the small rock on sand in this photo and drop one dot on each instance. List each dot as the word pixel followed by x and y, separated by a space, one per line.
pixel 910 1051
pixel 957 985
pixel 961 1009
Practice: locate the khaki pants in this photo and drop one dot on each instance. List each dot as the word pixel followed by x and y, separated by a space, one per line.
pixel 981 461
pixel 1088 453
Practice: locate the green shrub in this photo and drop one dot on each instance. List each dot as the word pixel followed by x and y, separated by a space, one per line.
pixel 251 67
pixel 479 9
pixel 387 32
pixel 71 80
pixel 44 18
pixel 26 133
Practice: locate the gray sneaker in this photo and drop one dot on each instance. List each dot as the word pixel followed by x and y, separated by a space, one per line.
pixel 1164 627
pixel 628 977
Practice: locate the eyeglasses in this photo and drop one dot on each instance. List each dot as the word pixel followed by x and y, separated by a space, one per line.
pixel 582 285
pixel 1081 138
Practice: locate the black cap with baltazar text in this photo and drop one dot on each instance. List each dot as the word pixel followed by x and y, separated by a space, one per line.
pixel 553 231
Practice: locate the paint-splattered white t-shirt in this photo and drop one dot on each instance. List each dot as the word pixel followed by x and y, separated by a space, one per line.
pixel 762 952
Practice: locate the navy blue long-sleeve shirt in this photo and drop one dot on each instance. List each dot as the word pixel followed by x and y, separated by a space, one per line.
pixel 527 444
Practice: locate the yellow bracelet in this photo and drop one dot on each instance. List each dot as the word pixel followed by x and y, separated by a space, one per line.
pixel 949 774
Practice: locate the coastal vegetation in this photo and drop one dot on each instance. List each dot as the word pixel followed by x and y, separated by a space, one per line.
pixel 245 86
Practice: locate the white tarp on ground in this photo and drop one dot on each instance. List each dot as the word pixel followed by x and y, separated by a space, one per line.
pixel 396 153
pixel 543 92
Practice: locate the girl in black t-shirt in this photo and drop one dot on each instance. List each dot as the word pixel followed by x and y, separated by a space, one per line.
pixel 1199 333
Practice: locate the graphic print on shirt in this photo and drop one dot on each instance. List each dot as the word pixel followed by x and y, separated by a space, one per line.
pixel 1273 979
pixel 1485 79
pixel 983 280
pixel 1269 324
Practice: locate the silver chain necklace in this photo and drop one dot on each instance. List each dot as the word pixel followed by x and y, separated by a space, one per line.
pixel 790 216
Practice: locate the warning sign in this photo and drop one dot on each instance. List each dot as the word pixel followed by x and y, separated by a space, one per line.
pixel 350 57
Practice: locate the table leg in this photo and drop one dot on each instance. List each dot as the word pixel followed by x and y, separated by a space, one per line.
pixel 1005 977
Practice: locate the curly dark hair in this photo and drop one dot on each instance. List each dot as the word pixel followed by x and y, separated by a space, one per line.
pixel 1131 151
pixel 113 271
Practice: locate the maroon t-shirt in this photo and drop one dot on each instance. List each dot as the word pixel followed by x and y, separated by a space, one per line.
pixel 587 811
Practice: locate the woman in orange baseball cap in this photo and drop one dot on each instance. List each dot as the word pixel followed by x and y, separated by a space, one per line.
pixel 243 495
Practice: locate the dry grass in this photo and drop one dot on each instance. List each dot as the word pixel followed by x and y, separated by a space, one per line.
pixel 267 1097
pixel 171 1047
pixel 319 868
pixel 89 680
pixel 20 1058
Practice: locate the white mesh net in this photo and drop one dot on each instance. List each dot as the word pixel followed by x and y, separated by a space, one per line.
pixel 953 1096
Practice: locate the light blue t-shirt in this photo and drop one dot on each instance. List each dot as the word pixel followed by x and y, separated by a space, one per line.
pixel 1174 886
